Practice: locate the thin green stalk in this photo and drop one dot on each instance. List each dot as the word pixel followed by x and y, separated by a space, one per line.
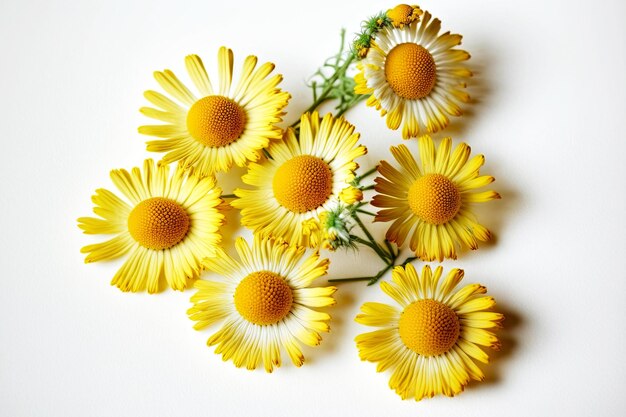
pixel 379 275
pixel 369 235
pixel 330 85
pixel 374 279
pixel 388 244
pixel 350 279
pixel 341 109
pixel 365 174
pixel 338 86
pixel 381 254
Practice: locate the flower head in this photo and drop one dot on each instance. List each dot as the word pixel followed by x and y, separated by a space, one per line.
pixel 167 224
pixel 430 337
pixel 336 225
pixel 403 15
pixel 264 302
pixel 415 77
pixel 303 178
pixel 225 124
pixel 432 200
pixel 351 195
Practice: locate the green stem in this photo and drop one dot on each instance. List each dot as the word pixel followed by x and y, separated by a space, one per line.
pixel 365 174
pixel 372 280
pixel 388 244
pixel 350 279
pixel 342 108
pixel 381 254
pixel 407 260
pixel 379 275
pixel 369 187
pixel 341 111
pixel 229 196
pixel 369 213
pixel 324 95
pixel 356 218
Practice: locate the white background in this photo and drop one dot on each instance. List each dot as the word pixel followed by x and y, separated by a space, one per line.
pixel 549 107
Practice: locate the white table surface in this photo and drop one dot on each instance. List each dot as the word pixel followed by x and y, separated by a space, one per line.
pixel 550 104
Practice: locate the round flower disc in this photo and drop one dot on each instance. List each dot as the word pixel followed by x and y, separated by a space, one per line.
pixel 401 14
pixel 263 298
pixel 410 71
pixel 158 223
pixel 303 183
pixel 428 327
pixel 434 198
pixel 216 121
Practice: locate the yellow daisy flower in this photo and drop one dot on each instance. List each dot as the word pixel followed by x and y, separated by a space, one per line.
pixel 167 225
pixel 222 126
pixel 305 175
pixel 415 77
pixel 404 14
pixel 433 199
pixel 264 302
pixel 351 195
pixel 431 339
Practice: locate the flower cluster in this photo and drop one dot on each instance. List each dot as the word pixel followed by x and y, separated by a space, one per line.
pixel 302 195
pixel 398 17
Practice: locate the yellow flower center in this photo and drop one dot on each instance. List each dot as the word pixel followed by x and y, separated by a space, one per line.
pixel 429 327
pixel 410 71
pixel 401 14
pixel 158 223
pixel 303 183
pixel 263 298
pixel 216 121
pixel 434 199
